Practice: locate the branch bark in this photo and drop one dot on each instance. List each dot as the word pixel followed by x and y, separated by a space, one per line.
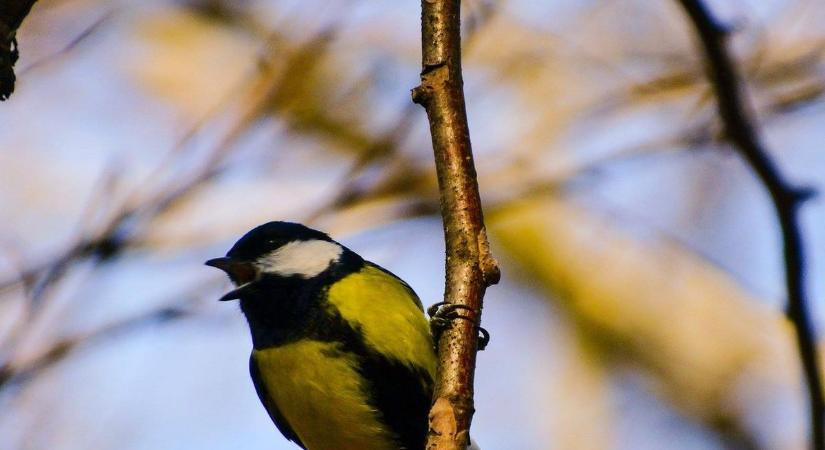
pixel 12 13
pixel 741 130
pixel 470 267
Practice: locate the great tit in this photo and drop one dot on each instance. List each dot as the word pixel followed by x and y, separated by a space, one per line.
pixel 342 357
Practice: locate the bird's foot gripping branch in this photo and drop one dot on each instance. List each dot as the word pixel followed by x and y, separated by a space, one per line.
pixel 442 315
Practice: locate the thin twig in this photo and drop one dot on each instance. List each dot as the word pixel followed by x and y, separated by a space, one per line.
pixel 786 198
pixel 12 376
pixel 470 267
pixel 83 36
pixel 117 233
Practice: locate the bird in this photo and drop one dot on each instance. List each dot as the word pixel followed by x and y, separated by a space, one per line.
pixel 342 353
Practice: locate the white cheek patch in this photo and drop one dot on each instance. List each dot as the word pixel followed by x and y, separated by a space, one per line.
pixel 303 258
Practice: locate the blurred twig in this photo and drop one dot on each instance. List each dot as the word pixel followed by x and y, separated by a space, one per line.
pixel 81 37
pixel 266 93
pixel 400 175
pixel 741 130
pixel 113 236
pixel 12 13
pixel 120 229
pixel 13 376
pixel 470 266
pixel 799 71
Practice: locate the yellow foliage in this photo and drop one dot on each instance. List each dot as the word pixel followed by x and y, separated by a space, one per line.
pixel 189 60
pixel 718 353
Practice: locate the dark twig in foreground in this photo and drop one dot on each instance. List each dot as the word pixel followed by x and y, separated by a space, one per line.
pixel 12 13
pixel 740 129
pixel 470 266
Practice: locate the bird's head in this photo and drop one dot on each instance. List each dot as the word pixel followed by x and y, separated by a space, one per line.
pixel 277 249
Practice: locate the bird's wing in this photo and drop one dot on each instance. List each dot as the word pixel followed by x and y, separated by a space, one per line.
pixel 401 394
pixel 413 295
pixel 387 314
pixel 271 407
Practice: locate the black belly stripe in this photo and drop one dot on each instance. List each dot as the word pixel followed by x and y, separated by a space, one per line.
pixel 401 394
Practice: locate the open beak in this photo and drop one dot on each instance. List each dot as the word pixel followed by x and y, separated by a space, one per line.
pixel 240 272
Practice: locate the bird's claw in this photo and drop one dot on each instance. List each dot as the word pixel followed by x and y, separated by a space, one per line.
pixel 442 315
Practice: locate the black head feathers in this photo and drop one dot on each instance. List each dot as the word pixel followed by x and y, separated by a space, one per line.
pixel 270 236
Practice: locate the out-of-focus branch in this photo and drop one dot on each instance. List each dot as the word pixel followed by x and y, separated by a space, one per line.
pixel 470 267
pixel 264 95
pixel 123 227
pixel 14 376
pixel 12 13
pixel 74 43
pixel 141 206
pixel 786 198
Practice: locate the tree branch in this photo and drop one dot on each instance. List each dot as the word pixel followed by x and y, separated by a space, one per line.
pixel 12 13
pixel 786 198
pixel 470 267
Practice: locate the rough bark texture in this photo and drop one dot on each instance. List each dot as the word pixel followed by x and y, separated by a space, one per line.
pixel 12 13
pixel 741 131
pixel 470 266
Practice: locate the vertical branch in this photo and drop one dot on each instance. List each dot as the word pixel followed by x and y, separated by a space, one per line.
pixel 12 13
pixel 786 198
pixel 470 266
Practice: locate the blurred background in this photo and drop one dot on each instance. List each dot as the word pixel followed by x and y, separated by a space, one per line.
pixel 642 293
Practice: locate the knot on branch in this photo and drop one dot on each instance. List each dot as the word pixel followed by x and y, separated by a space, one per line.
pixel 444 432
pixel 486 262
pixel 802 194
pixel 443 424
pixel 724 30
pixel 792 196
pixel 421 95
pixel 433 77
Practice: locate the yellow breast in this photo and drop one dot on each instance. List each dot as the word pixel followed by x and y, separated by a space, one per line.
pixel 319 392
